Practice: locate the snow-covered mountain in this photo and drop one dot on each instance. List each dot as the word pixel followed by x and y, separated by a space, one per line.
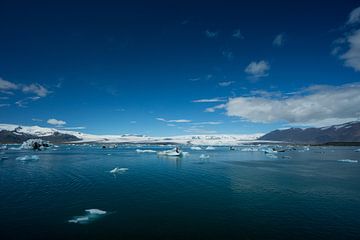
pixel 10 133
pixel 346 132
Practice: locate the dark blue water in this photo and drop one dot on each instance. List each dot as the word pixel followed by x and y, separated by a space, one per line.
pixel 231 195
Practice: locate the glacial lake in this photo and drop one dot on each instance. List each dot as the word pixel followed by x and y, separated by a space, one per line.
pixel 306 194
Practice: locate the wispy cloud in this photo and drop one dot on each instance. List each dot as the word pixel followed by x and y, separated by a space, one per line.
pixel 354 16
pixel 237 34
pixel 352 56
pixel 213 109
pixel 317 106
pixel 227 54
pixel 207 123
pixel 6 85
pixel 211 34
pixel 257 70
pixel 36 119
pixel 226 83
pixel 36 89
pixel 54 121
pixel 209 100
pixel 174 120
pixel 279 40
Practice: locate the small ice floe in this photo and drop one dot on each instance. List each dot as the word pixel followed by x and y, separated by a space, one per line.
pixel 176 152
pixel 250 149
pixel 118 170
pixel 3 147
pixel 196 148
pixel 145 151
pixel 89 216
pixel 348 160
pixel 203 156
pixel 210 148
pixel 28 158
pixel 270 155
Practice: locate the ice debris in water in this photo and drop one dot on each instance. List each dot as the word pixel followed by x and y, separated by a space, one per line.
pixel 35 144
pixel 348 160
pixel 145 151
pixel 118 170
pixel 270 155
pixel 210 148
pixel 203 156
pixel 91 215
pixel 195 148
pixel 357 150
pixel 28 158
pixel 250 149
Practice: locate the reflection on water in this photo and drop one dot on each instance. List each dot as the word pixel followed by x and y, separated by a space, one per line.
pixel 231 194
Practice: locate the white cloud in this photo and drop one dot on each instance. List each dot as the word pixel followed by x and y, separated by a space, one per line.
pixel 54 121
pixel 36 120
pixel 317 106
pixel 237 34
pixel 354 16
pixel 174 121
pixel 213 109
pixel 209 100
pixel 226 83
pixel 352 56
pixel 279 40
pixel 6 85
pixel 211 34
pixel 35 89
pixel 258 69
pixel 208 123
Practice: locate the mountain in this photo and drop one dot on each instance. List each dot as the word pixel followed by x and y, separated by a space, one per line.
pixel 347 132
pixel 17 134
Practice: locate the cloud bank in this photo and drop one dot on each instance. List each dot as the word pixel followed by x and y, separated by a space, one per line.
pixel 316 106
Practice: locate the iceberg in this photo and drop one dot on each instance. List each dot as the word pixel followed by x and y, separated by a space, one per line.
pixel 35 144
pixel 145 151
pixel 173 152
pixel 270 155
pixel 118 170
pixel 203 156
pixel 210 148
pixel 250 149
pixel 91 215
pixel 28 158
pixel 348 160
pixel 196 148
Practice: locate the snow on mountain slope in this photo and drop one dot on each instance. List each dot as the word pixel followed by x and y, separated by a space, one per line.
pixel 129 138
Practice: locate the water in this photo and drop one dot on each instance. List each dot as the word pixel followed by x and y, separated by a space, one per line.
pixel 230 195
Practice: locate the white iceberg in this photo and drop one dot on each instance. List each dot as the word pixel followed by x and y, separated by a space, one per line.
pixel 91 215
pixel 173 152
pixel 28 158
pixel 35 144
pixel 196 148
pixel 250 149
pixel 203 156
pixel 145 151
pixel 348 160
pixel 118 170
pixel 210 148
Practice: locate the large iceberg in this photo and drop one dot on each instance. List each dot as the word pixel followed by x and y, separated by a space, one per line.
pixel 35 144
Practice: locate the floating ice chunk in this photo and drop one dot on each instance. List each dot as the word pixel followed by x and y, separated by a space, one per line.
pixel 91 215
pixel 145 151
pixel 357 150
pixel 95 211
pixel 250 149
pixel 195 148
pixel 348 160
pixel 172 153
pixel 210 148
pixel 270 155
pixel 203 156
pixel 28 158
pixel 118 170
pixel 3 147
pixel 35 144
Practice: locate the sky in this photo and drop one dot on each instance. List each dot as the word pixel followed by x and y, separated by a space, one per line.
pixel 165 68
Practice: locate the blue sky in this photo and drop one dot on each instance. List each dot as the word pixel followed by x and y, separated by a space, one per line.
pixel 169 68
